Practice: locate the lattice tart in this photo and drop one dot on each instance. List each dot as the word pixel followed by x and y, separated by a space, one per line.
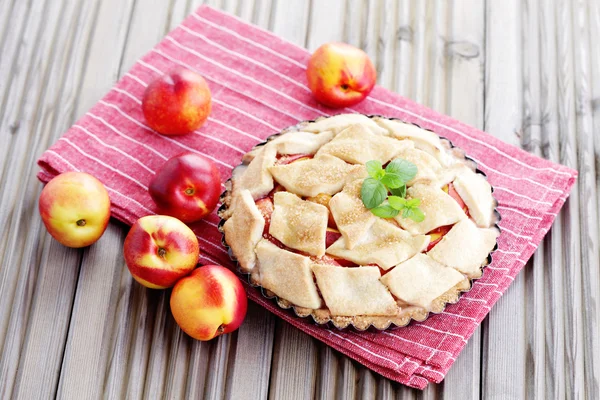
pixel 360 220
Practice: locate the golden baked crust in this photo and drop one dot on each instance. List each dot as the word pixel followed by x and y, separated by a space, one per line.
pixel 360 280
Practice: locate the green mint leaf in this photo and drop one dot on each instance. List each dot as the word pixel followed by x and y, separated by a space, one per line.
pixel 413 203
pixel 397 202
pixel 372 192
pixel 385 211
pixel 400 192
pixel 374 169
pixel 419 216
pixel 403 168
pixel 392 181
pixel 414 213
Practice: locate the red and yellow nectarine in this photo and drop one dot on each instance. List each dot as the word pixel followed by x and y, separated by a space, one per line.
pixel 75 208
pixel 186 187
pixel 340 75
pixel 159 250
pixel 209 302
pixel 177 103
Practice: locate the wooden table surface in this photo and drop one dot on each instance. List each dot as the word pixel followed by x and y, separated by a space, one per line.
pixel 74 325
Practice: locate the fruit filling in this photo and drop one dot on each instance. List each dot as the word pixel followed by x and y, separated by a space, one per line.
pixel 290 158
pixel 266 207
pixel 449 188
pixel 436 235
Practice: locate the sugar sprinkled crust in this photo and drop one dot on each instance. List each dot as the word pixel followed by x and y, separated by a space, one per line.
pixel 420 280
pixel 345 279
pixel 465 248
pixel 354 291
pixel 244 229
pixel 357 144
pixel 287 274
pixel 384 244
pixel 439 208
pixel 476 192
pixel 256 178
pixel 322 174
pixel 299 224
pixel 352 218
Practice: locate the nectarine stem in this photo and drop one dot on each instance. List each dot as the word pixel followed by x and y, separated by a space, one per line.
pixel 189 191
pixel 162 252
pixel 81 222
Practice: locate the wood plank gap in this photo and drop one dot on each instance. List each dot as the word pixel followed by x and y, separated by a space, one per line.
pixel 12 55
pixel 126 36
pixel 588 213
pixel 594 33
pixel 572 301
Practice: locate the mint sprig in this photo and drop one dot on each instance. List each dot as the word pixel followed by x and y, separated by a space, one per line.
pixel 392 179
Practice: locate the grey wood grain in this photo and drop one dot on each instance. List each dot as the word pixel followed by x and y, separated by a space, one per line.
pixel 531 140
pixel 554 361
pixel 588 214
pixel 463 77
pixel 86 355
pixel 58 266
pixel 540 91
pixel 574 344
pixel 250 363
pixel 504 333
pixel 593 326
pixel 295 351
pixel 294 368
pixel 22 251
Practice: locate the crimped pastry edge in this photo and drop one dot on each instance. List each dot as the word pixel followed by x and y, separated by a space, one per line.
pixel 361 322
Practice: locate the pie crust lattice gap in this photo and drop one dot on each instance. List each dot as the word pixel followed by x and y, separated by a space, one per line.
pixel 292 219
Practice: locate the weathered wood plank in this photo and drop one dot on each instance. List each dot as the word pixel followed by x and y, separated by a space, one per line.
pixel 22 248
pixel 263 14
pixel 86 351
pixel 503 374
pixel 327 379
pixel 588 213
pixel 323 27
pixel 295 364
pixel 423 50
pixel 571 274
pixel 251 361
pixel 9 117
pixel 294 350
pixel 58 266
pixel 290 20
pixel 17 23
pixel 554 362
pixel 404 44
pixel 145 30
pixel 593 326
pixel 148 355
pixel 531 140
pixel 86 357
pixel 6 8
pixel 458 90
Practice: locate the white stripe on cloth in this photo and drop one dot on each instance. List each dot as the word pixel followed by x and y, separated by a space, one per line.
pixel 300 65
pixel 107 187
pixel 361 347
pixel 217 101
pixel 78 149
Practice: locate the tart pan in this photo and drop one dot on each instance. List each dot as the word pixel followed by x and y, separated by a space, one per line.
pixel 360 323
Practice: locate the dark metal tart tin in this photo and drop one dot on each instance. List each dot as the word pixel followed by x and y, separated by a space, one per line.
pixel 359 323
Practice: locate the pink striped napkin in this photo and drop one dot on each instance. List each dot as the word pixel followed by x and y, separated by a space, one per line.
pixel 259 87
